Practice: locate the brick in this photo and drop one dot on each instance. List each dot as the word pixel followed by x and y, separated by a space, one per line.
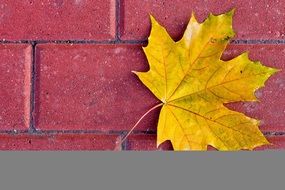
pixel 58 142
pixel 91 87
pixel 146 143
pixel 271 108
pixel 57 20
pixel 254 19
pixel 15 77
pixel 278 143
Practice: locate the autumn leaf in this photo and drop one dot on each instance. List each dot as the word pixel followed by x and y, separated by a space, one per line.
pixel 193 84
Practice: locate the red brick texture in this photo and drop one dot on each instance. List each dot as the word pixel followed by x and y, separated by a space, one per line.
pixel 15 82
pixel 254 19
pixel 65 69
pixel 57 20
pixel 90 87
pixel 58 142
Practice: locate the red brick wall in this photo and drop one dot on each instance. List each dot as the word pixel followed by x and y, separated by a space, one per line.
pixel 65 69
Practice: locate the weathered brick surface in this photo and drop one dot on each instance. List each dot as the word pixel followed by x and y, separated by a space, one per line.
pixel 72 96
pixel 58 142
pixel 83 90
pixel 277 143
pixel 57 20
pixel 254 19
pixel 90 87
pixel 148 143
pixel 15 72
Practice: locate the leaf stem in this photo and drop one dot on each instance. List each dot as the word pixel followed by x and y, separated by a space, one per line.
pixel 146 113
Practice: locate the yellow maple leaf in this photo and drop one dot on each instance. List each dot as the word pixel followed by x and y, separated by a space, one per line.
pixel 193 84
